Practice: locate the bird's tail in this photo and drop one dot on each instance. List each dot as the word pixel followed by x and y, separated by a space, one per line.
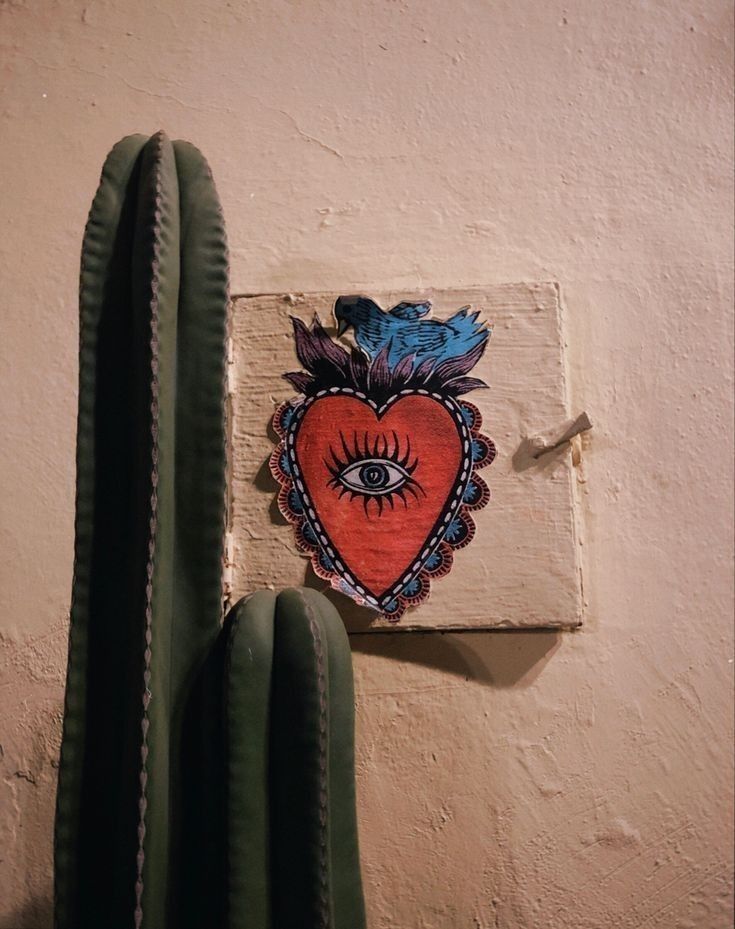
pixel 467 329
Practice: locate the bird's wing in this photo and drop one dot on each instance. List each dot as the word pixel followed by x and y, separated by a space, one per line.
pixel 410 311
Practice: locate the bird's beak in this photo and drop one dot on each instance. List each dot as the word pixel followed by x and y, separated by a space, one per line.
pixel 342 326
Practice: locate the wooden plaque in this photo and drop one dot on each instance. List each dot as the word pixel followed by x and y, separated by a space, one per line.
pixel 522 568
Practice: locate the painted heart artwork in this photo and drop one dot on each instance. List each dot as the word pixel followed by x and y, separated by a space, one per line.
pixel 378 456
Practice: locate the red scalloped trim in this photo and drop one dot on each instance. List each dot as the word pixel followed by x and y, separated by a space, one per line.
pixel 445 548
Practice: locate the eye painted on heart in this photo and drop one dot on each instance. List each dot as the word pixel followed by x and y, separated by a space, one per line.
pixel 376 470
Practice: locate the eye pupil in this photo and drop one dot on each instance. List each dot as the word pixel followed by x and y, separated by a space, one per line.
pixel 374 475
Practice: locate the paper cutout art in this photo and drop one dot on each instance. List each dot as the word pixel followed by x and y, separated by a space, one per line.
pixel 378 457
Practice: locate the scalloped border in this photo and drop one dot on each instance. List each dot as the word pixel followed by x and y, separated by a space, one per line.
pixel 306 532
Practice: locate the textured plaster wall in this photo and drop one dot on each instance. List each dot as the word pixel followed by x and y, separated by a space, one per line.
pixel 507 781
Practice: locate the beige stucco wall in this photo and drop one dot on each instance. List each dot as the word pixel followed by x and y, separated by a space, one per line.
pixel 507 781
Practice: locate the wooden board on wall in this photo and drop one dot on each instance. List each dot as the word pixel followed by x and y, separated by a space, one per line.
pixel 522 569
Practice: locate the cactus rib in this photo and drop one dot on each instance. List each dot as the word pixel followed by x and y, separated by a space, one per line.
pixel 346 887
pixel 155 270
pixel 95 670
pixel 247 696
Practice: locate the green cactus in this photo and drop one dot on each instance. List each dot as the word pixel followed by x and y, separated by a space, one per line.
pixel 177 809
pixel 290 749
pixel 146 597
pixel 316 871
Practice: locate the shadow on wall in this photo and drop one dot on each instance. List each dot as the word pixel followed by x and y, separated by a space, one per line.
pixel 36 914
pixel 496 657
pixel 499 658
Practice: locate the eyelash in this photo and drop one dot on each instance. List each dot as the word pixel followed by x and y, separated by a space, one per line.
pixel 381 449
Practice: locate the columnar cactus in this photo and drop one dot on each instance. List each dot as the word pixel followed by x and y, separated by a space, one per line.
pixel 207 775
pixel 146 600
pixel 293 860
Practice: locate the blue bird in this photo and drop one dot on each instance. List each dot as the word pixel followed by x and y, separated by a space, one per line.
pixel 407 333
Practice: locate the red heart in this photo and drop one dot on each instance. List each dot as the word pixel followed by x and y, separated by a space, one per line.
pixel 379 548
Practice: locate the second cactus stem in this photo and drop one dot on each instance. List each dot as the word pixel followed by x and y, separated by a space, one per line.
pixel 292 848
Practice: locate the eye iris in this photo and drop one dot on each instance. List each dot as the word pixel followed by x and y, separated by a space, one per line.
pixel 374 475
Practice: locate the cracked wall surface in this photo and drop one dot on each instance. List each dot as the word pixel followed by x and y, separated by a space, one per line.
pixel 518 780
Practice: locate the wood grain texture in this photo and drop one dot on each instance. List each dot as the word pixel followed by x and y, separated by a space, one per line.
pixel 522 569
